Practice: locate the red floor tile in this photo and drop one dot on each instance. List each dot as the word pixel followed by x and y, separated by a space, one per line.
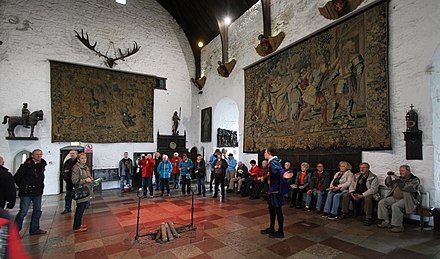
pixel 112 228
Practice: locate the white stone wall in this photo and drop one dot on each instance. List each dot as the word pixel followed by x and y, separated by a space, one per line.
pixel 25 75
pixel 413 38
pixel 435 70
pixel 24 69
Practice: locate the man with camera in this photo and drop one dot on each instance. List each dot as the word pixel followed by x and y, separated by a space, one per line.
pixel 30 181
pixel 403 198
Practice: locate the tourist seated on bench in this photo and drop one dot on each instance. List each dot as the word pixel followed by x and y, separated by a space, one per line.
pixel 402 198
pixel 339 186
pixel 242 172
pixel 301 186
pixel 363 189
pixel 319 184
pixel 261 183
pixel 251 178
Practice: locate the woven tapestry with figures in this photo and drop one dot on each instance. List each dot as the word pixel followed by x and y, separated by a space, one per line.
pixel 328 91
pixel 100 105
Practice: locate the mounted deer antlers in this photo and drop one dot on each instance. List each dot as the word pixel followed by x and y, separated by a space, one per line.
pixel 110 61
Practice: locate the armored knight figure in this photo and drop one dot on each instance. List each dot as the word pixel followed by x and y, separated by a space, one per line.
pixel 25 115
pixel 176 120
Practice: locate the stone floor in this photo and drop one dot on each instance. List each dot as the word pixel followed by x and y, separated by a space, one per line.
pixel 228 229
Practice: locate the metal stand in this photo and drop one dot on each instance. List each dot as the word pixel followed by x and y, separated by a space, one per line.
pixel 192 207
pixel 139 195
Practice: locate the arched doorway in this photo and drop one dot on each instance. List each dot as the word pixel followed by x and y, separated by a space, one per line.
pixel 19 158
pixel 63 157
pixel 193 154
pixel 226 116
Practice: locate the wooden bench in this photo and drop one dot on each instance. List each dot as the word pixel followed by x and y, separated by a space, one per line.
pixel 423 210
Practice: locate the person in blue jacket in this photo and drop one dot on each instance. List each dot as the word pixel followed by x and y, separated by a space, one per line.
pixel 186 166
pixel 211 163
pixel 165 168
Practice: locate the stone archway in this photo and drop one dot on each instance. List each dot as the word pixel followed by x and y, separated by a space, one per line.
pixel 193 153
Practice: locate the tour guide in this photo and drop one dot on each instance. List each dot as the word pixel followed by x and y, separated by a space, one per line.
pixel 278 187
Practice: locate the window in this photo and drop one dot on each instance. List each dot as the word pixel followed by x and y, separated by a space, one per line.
pixel 23 158
pixel 161 83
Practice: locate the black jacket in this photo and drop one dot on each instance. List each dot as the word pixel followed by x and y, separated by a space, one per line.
pixel 68 166
pixel 325 181
pixel 223 167
pixel 200 168
pixel 7 188
pixel 158 160
pixel 242 171
pixel 30 178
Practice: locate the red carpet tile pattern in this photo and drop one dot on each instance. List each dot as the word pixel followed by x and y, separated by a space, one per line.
pixel 222 229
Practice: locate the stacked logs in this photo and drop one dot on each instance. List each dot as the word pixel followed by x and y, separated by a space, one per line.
pixel 167 232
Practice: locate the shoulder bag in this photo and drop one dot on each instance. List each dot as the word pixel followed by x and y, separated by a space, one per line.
pixel 82 191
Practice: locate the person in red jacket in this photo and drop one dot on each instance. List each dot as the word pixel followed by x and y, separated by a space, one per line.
pixel 251 178
pixel 10 244
pixel 175 174
pixel 147 164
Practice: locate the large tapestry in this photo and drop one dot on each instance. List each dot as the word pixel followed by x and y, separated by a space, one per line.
pixel 100 105
pixel 328 91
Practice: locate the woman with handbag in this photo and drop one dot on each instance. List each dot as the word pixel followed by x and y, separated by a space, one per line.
pixel 340 184
pixel 83 181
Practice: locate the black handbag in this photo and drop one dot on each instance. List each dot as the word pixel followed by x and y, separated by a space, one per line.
pixel 67 176
pixel 81 192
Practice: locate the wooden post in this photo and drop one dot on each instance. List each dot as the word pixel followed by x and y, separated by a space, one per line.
pixel 157 237
pixel 173 230
pixel 164 232
pixel 267 29
pixel 169 234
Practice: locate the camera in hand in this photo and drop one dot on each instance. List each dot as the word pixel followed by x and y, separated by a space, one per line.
pixel 390 173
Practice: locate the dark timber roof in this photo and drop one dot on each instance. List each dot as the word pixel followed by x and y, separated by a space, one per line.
pixel 198 18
